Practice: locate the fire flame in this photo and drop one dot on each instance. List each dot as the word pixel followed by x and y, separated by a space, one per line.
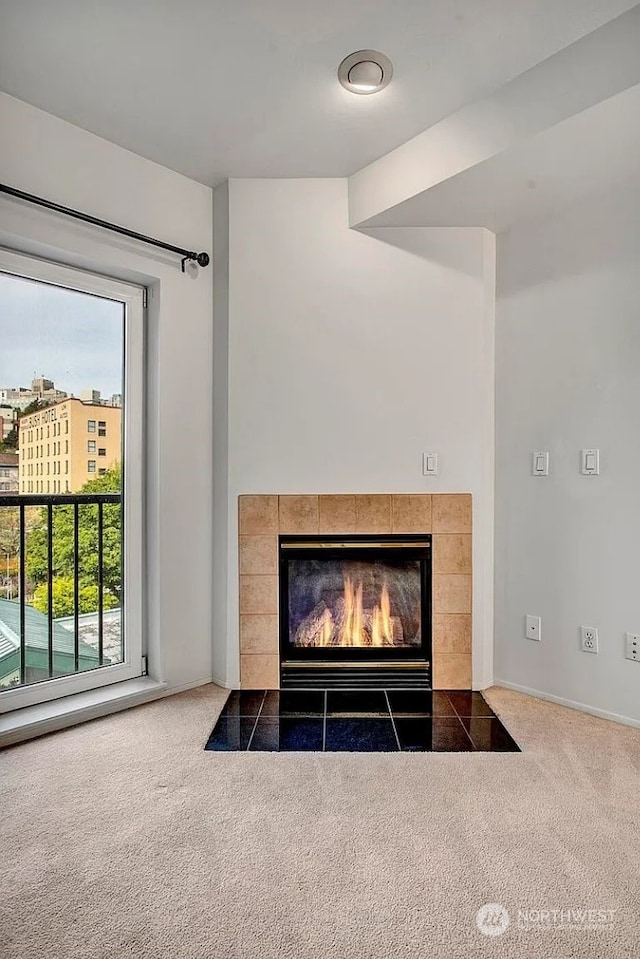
pixel 352 620
pixel 352 632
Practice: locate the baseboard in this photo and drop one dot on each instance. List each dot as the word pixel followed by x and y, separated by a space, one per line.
pixel 569 703
pixel 183 687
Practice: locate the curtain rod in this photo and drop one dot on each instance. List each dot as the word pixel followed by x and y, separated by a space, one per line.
pixel 202 259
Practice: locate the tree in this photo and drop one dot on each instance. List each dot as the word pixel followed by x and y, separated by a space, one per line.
pixel 63 551
pixel 10 444
pixel 36 405
pixel 63 598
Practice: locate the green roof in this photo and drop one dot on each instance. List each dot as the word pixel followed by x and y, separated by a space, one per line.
pixel 37 642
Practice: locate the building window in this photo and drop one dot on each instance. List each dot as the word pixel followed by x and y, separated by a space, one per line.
pixel 102 429
pixel 66 444
pixel 91 426
pixel 91 446
pixel 66 466
pixel 91 466
pixel 66 426
pixel 102 451
pixel 101 472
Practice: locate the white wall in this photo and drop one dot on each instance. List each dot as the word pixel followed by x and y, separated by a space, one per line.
pixel 350 354
pixel 44 155
pixel 568 378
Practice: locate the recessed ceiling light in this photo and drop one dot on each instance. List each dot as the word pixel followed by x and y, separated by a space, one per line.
pixel 365 71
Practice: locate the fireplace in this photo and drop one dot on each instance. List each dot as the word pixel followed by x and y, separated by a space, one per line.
pixel 355 610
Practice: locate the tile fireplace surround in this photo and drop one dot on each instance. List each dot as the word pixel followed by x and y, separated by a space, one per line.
pixel 262 518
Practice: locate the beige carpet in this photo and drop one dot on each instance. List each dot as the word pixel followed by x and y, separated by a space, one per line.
pixel 123 838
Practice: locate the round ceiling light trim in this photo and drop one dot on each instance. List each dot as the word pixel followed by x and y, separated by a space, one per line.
pixel 365 72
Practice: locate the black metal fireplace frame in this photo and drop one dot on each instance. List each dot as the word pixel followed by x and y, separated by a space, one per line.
pixel 356 547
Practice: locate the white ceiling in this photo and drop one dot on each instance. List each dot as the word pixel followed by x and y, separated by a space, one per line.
pixel 220 88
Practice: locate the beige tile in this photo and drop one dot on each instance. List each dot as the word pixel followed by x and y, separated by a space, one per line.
pixel 259 554
pixel 258 594
pixel 258 514
pixel 412 513
pixel 451 633
pixel 373 514
pixel 451 553
pixel 337 514
pixel 452 671
pixel 258 634
pixel 451 512
pixel 259 672
pixel 451 593
pixel 298 514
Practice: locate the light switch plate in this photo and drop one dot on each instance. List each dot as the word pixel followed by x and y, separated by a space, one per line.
pixel 590 462
pixel 430 464
pixel 540 463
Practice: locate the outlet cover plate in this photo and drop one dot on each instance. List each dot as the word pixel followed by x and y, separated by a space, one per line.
pixel 589 639
pixel 533 628
pixel 632 647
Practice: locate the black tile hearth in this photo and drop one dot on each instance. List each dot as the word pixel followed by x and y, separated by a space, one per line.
pixel 294 702
pixel 489 735
pixel 419 702
pixel 282 734
pixel 368 735
pixel 375 720
pixel 468 703
pixel 357 702
pixel 244 702
pixel 231 733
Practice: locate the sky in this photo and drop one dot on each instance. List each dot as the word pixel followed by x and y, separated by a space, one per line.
pixel 71 338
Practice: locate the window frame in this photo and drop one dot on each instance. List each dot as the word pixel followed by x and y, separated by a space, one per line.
pixel 132 458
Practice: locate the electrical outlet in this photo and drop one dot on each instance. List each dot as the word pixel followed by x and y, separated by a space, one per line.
pixel 632 646
pixel 588 639
pixel 533 627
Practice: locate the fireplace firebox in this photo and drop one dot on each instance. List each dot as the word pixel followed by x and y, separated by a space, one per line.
pixel 355 611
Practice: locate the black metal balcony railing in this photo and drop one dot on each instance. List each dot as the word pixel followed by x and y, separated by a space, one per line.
pixel 48 504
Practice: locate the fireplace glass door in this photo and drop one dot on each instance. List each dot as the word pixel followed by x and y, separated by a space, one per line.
pixel 353 598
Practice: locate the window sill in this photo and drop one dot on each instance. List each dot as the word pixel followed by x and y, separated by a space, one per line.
pixel 32 721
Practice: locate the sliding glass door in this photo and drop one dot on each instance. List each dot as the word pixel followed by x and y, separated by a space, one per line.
pixel 71 438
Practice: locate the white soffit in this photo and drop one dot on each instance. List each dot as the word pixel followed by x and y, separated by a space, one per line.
pixel 566 127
